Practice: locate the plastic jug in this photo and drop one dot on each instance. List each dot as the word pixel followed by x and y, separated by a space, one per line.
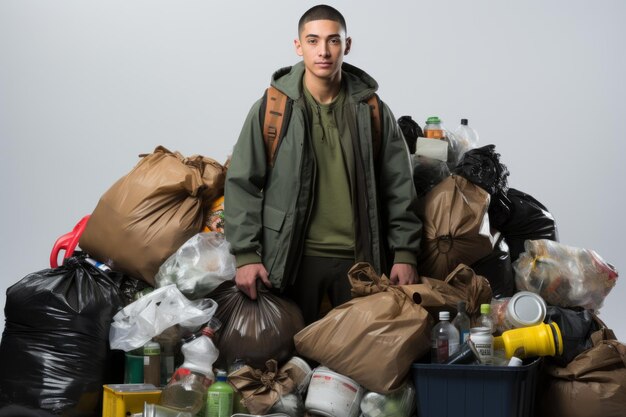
pixel 539 340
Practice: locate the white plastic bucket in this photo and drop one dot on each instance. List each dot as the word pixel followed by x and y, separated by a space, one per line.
pixel 333 395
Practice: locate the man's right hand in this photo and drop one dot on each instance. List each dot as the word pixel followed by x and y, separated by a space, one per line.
pixel 246 278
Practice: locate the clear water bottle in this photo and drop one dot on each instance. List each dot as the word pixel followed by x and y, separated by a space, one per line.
pixel 464 138
pixel 444 339
pixel 462 322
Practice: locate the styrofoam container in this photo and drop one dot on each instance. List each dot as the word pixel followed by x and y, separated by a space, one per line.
pixel 333 395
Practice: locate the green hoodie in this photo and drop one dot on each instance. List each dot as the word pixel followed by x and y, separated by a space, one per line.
pixel 267 209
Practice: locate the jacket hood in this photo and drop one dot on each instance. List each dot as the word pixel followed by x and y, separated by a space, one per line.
pixel 360 86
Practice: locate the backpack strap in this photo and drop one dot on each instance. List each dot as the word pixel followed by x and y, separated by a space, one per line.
pixel 377 130
pixel 273 121
pixel 275 105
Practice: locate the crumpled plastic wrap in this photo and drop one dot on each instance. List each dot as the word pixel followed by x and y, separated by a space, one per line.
pixel 199 266
pixel 564 276
pixel 153 313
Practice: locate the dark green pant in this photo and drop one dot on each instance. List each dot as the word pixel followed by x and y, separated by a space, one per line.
pixel 317 277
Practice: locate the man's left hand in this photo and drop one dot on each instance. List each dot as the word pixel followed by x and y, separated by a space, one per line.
pixel 403 274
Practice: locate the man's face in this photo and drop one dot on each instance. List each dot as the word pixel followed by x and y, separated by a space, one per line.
pixel 322 45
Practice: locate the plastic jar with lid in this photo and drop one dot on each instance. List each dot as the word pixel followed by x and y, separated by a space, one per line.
pixel 434 128
pixel 483 341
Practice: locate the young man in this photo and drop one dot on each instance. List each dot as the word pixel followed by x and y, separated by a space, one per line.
pixel 329 199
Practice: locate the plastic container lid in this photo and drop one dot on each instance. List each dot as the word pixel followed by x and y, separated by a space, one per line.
pixel 485 308
pixel 464 122
pixel 525 309
pixel 433 120
pixel 444 315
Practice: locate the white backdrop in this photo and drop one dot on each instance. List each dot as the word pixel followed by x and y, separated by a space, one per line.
pixel 86 86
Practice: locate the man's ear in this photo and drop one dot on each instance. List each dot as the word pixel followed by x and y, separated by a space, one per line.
pixel 348 45
pixel 298 46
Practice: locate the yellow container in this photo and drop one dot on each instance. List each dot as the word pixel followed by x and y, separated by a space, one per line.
pixel 121 400
pixel 539 340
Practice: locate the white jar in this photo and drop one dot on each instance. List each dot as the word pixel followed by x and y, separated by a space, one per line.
pixel 483 341
pixel 524 309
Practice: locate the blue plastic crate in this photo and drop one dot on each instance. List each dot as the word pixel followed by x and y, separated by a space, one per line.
pixel 475 390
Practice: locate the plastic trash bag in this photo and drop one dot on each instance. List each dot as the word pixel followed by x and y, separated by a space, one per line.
pixel 255 331
pixel 411 131
pixel 564 276
pixel 576 326
pixel 400 403
pixel 153 313
pixel 520 217
pixel 427 173
pixel 54 354
pixel 151 211
pixel 482 166
pixel 199 266
pixel 497 268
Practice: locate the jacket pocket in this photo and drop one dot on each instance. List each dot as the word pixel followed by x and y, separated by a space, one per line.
pixel 273 218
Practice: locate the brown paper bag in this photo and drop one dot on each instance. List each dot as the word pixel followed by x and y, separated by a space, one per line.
pixel 462 284
pixel 455 227
pixel 260 389
pixel 373 338
pixel 592 385
pixel 150 212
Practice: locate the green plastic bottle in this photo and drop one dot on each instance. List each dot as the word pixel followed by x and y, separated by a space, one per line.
pixel 219 400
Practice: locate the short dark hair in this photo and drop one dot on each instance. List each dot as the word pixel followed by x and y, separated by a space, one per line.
pixel 322 12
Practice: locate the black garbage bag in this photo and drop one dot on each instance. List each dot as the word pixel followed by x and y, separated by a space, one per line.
pixel 576 325
pixel 427 173
pixel 523 218
pixel 255 331
pixel 54 354
pixel 411 131
pixel 497 268
pixel 482 166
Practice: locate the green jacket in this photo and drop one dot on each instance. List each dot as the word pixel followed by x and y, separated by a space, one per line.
pixel 266 210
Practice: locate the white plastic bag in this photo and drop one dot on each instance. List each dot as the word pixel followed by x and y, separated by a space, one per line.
pixel 150 315
pixel 199 266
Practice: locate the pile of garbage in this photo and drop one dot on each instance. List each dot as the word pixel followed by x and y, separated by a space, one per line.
pixel 143 307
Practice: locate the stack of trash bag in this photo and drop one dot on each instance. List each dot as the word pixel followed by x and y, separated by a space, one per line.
pixel 55 354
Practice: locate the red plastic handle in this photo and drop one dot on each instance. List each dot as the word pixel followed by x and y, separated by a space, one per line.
pixel 67 242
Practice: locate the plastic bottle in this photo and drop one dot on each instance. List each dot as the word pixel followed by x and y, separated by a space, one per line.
pixel 444 340
pixel 434 128
pixel 467 135
pixel 219 401
pixel 485 320
pixel 464 139
pixel 462 322
pixel 187 389
pixel 152 363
